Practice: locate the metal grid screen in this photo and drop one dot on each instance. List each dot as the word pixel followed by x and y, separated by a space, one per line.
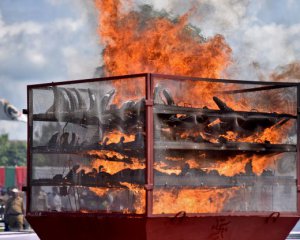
pixel 162 145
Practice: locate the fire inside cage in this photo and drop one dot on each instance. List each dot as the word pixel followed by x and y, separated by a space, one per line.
pixel 152 156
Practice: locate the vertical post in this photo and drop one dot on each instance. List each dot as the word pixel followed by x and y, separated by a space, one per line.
pixel 149 144
pixel 29 136
pixel 298 149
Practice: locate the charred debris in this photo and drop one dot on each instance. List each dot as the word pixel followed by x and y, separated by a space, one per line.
pixel 171 133
pixel 173 129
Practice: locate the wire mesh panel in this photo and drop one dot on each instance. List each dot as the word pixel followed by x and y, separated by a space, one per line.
pixel 87 149
pixel 224 147
pixel 218 147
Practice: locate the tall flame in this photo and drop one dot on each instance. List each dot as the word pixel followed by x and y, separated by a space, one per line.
pixel 152 42
pixel 158 44
pixel 149 41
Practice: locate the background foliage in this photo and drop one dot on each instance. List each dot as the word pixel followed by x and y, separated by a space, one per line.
pixel 12 153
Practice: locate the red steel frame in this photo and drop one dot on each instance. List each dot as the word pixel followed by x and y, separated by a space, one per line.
pixel 298 148
pixel 149 144
pixel 149 86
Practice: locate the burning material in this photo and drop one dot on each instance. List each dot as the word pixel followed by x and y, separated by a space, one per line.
pixel 211 138
pixel 114 201
pixel 115 137
pixel 238 164
pixel 113 167
pixel 172 201
pixel 140 197
pixel 200 152
pixel 164 168
pixel 233 166
pixel 154 144
pixel 223 125
pixel 99 191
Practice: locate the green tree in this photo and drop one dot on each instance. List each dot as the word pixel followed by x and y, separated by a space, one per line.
pixel 12 153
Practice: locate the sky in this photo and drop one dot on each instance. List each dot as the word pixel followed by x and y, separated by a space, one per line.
pixel 56 40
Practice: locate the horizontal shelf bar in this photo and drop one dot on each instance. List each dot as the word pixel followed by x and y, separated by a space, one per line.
pixel 74 117
pixel 50 182
pixel 169 109
pixel 205 182
pixel 211 180
pixel 65 117
pixel 257 147
pixel 256 89
pixel 137 152
pixel 138 75
pixel 162 76
pixel 219 80
pixel 183 145
pixel 74 150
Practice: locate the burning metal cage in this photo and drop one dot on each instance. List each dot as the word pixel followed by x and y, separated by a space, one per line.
pixel 146 149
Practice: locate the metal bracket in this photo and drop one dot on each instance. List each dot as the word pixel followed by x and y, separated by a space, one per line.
pixel 148 187
pixel 274 216
pixel 178 218
pixel 25 111
pixel 149 103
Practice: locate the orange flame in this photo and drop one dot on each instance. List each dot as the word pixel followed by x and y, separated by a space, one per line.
pixel 232 166
pixel 115 136
pixel 172 46
pixel 191 200
pixel 237 165
pixel 159 45
pixel 140 196
pixel 113 167
pixel 99 191
pixel 164 168
pixel 149 41
pixel 273 135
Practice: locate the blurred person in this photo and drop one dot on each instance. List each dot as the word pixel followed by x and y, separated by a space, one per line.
pixel 3 196
pixel 25 224
pixel 3 200
pixel 14 211
pixel 69 199
pixel 82 199
pixel 50 200
pixel 57 203
pixel 40 199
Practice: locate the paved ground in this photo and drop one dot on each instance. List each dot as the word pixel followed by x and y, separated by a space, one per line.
pixel 18 236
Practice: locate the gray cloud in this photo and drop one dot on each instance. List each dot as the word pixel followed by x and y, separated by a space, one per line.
pixel 44 51
pixel 263 34
pixel 66 47
pixel 260 37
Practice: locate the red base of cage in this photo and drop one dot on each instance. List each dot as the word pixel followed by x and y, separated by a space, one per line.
pixel 187 228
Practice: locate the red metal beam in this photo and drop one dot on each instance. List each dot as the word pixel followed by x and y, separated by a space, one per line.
pixel 149 139
pixel 298 149
pixel 140 75
pixel 149 82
